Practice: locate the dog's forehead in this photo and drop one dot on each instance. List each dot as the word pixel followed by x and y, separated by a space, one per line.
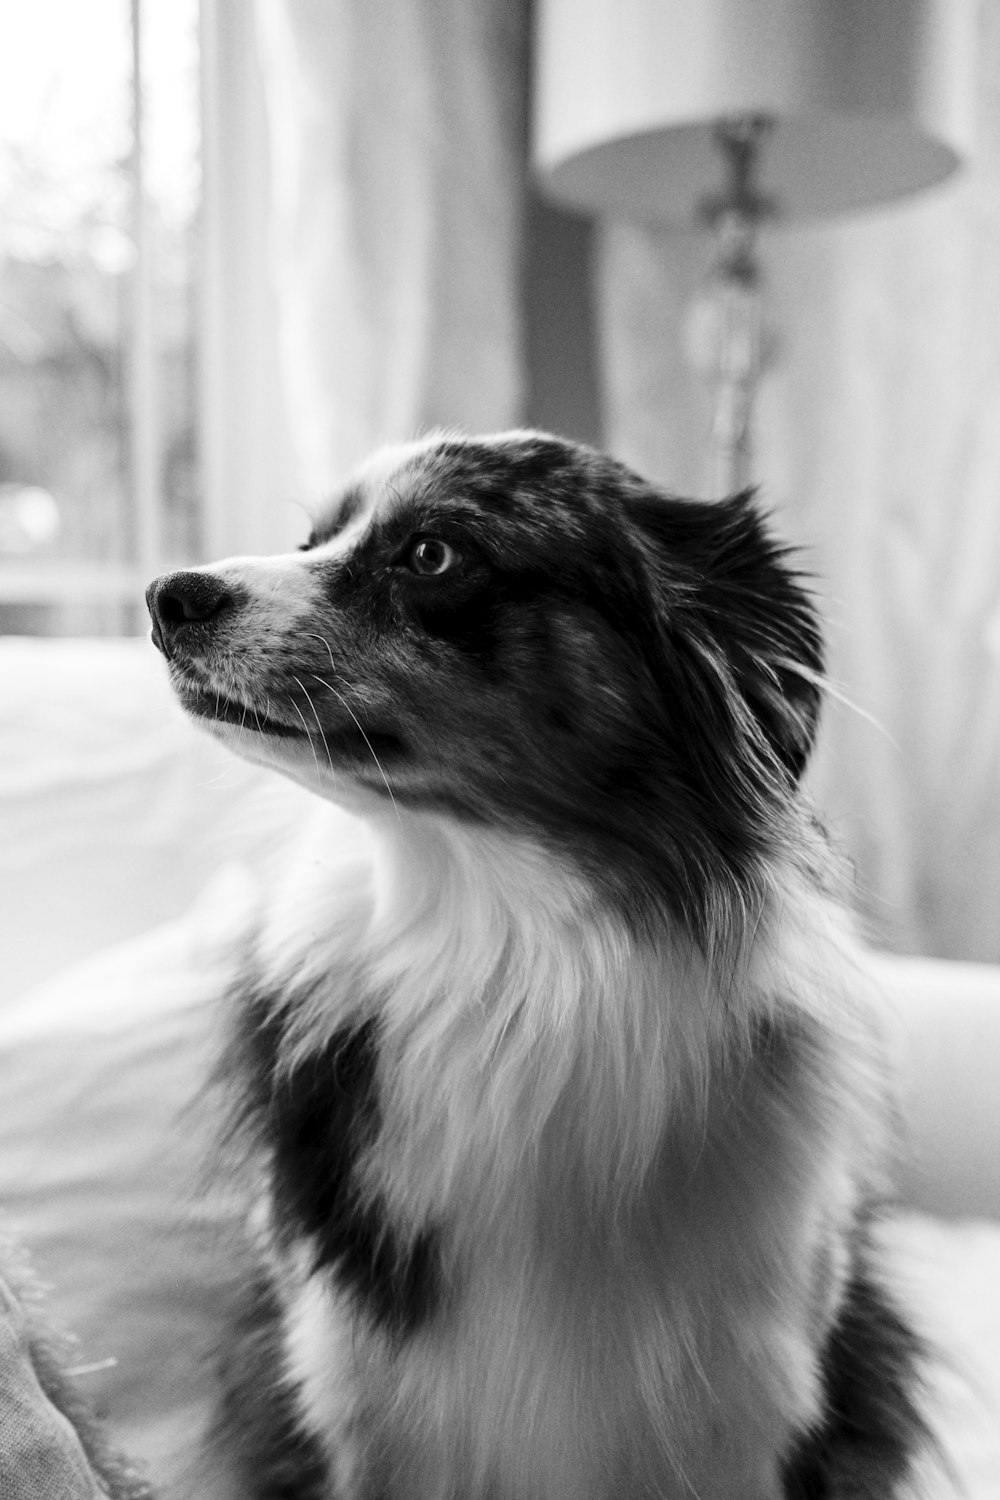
pixel 385 481
pixel 378 489
pixel 434 468
pixel 528 485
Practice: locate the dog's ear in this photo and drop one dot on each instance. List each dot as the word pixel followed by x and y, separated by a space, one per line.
pixel 717 564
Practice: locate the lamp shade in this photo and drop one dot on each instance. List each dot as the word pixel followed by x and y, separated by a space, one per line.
pixel 868 100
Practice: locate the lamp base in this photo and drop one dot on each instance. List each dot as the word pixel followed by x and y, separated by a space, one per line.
pixel 728 340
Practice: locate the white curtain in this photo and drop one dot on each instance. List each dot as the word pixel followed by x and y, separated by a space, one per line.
pixel 398 147
pixel 397 131
pixel 890 453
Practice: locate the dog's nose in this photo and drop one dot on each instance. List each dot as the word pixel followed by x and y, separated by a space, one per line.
pixel 180 599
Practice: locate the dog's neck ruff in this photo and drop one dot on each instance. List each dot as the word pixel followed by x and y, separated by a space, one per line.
pixel 523 1028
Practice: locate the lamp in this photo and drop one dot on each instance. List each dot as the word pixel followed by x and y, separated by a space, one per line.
pixel 735 113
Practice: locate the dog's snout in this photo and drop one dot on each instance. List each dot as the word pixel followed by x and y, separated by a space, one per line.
pixel 180 599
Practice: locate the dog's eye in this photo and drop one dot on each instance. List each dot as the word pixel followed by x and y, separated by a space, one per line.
pixel 431 556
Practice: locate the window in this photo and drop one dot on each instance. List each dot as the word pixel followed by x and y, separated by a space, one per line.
pixel 100 223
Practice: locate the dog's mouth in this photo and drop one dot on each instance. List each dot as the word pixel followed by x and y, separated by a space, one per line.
pixel 223 708
pixel 350 739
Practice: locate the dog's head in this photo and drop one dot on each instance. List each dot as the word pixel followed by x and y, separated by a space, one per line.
pixel 519 631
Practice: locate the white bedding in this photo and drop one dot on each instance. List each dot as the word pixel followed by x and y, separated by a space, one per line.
pixel 114 811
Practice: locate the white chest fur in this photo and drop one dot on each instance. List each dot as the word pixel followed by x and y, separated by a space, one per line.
pixel 638 1206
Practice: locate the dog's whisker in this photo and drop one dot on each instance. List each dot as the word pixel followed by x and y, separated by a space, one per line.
pixel 315 636
pixel 308 734
pixel 319 723
pixel 338 695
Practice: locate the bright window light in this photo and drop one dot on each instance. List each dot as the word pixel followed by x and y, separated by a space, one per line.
pixel 99 218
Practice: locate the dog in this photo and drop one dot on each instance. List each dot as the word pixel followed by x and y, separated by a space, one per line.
pixel 560 1082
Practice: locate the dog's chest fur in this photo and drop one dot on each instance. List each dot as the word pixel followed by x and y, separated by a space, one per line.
pixel 565 1197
